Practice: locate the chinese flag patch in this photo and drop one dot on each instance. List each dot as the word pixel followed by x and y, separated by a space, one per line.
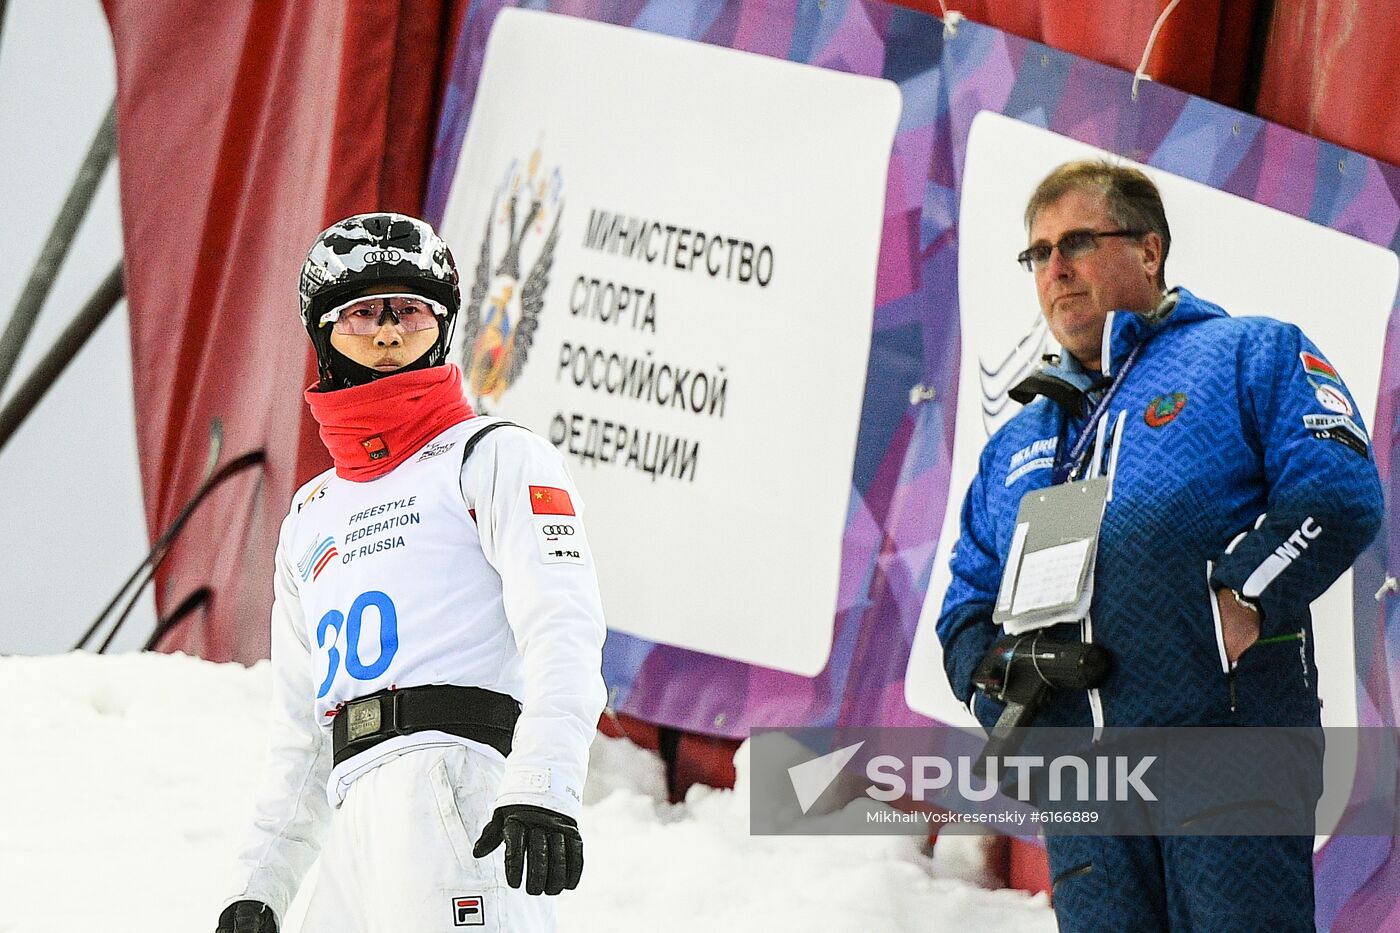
pixel 550 500
pixel 375 447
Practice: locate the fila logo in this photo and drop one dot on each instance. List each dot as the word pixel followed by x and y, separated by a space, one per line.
pixel 469 911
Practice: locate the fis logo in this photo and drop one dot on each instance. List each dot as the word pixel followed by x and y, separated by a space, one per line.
pixel 504 306
pixel 318 493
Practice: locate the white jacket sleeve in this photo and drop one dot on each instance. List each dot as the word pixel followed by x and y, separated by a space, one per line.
pixel 292 809
pixel 552 604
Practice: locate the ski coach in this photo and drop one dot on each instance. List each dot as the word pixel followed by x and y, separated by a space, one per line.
pixel 1242 485
pixel 436 630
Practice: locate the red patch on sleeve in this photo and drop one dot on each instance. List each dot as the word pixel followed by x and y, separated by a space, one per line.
pixel 550 500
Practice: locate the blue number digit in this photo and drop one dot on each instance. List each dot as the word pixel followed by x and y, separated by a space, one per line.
pixel 388 635
pixel 331 620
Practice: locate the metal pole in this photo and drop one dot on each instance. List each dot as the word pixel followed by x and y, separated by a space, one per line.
pixel 65 348
pixel 196 600
pixel 65 228
pixel 1254 61
pixel 153 560
pixel 157 552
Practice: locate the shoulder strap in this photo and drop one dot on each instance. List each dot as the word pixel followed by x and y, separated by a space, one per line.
pixel 475 439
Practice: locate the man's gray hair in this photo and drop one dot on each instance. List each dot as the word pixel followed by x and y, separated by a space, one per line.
pixel 1134 202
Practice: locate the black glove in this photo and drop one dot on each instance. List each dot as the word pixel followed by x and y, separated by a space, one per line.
pixel 552 840
pixel 247 917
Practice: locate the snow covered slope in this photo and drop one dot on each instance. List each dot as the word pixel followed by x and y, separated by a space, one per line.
pixel 127 780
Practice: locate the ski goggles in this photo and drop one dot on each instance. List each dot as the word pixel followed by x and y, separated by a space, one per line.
pixel 363 317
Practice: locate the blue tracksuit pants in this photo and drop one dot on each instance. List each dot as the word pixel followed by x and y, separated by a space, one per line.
pixel 1200 884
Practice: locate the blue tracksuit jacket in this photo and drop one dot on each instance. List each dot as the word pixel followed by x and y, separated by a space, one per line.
pixel 1243 464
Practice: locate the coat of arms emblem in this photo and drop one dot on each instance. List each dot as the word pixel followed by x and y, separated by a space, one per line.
pixel 503 311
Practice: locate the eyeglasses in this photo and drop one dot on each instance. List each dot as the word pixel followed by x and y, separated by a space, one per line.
pixel 363 317
pixel 1073 245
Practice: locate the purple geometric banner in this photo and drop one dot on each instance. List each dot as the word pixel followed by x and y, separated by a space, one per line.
pixel 899 487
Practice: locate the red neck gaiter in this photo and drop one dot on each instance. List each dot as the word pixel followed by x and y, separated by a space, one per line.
pixel 371 429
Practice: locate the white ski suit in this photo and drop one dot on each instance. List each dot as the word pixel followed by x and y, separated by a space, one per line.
pixel 474 573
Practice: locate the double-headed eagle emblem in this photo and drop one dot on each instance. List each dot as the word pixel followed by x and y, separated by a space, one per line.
pixel 502 314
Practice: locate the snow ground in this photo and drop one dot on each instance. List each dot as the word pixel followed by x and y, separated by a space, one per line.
pixel 128 781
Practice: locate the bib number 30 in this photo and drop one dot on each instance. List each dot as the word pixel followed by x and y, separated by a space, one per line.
pixel 334 621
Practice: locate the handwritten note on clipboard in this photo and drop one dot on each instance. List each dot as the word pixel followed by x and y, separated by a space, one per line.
pixel 1049 575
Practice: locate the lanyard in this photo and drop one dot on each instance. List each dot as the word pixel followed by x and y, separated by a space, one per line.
pixel 1066 465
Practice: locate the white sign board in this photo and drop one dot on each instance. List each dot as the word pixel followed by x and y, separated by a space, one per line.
pixel 1248 258
pixel 678 289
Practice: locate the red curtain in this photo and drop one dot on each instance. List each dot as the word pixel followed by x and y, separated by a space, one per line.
pixel 243 130
pixel 1329 69
pixel 1201 48
pixel 1332 70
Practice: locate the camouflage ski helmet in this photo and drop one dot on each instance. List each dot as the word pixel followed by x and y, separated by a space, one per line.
pixel 377 249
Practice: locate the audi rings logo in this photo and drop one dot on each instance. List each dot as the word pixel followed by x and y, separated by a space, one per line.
pixel 564 530
pixel 383 255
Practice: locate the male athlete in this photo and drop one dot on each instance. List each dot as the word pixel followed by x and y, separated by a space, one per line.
pixel 436 631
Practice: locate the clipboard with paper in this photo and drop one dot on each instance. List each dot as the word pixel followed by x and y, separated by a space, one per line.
pixel 1049 573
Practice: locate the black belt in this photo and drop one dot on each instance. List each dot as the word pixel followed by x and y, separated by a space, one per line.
pixel 470 712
